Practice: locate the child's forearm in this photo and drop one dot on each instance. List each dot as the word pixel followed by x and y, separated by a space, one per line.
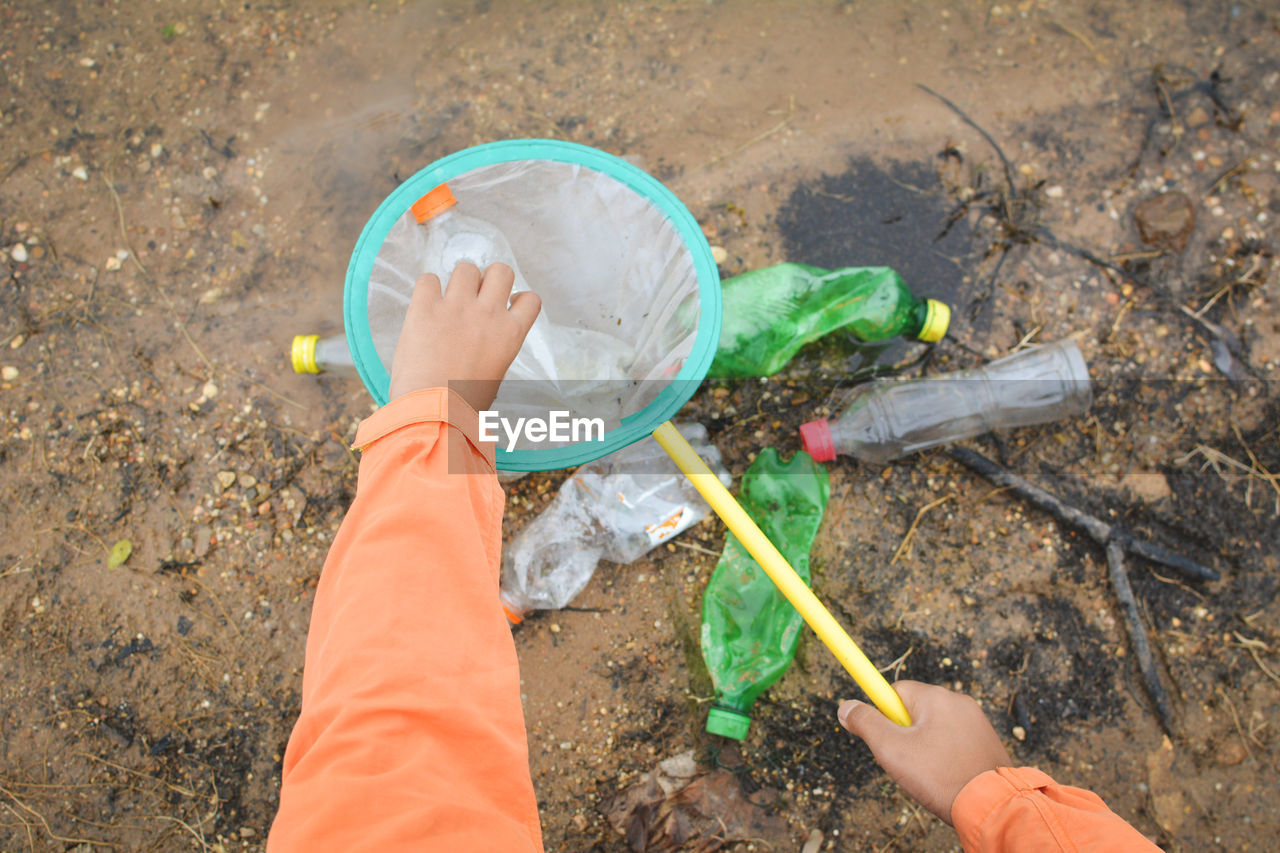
pixel 411 729
pixel 1024 809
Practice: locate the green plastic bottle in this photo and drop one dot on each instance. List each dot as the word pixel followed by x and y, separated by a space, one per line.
pixel 770 313
pixel 749 630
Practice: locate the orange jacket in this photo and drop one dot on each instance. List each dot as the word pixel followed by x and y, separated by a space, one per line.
pixel 1023 809
pixel 411 735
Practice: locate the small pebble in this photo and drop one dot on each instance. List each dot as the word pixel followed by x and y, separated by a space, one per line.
pixel 209 391
pixel 8 373
pixel 112 264
pixel 18 252
pixel 1054 192
pixel 80 172
pixel 18 340
pixel 1019 733
pixel 719 255
pixel 156 150
pixel 226 479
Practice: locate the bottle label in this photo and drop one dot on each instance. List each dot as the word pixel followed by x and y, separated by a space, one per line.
pixel 671 525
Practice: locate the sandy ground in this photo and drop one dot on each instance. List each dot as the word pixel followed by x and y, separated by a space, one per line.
pixel 182 185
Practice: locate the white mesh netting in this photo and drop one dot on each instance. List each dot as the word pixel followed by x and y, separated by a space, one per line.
pixel 618 285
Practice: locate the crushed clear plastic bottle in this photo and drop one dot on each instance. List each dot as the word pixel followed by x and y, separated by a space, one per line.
pixel 617 508
pixel 889 419
pixel 452 238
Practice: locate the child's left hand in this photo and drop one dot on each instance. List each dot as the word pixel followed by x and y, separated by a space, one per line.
pixel 467 336
pixel 949 742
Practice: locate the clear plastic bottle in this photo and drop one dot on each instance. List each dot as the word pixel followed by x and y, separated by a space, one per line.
pixel 891 418
pixel 617 508
pixel 314 354
pixel 453 237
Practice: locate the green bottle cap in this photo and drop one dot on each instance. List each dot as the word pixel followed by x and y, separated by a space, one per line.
pixel 726 723
pixel 936 319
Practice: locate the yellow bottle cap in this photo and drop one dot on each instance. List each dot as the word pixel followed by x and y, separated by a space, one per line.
pixel 304 354
pixel 937 318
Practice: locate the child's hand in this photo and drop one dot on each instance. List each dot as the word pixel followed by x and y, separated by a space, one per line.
pixel 467 335
pixel 948 743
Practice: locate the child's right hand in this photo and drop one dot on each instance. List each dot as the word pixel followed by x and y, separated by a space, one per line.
pixel 949 742
pixel 467 336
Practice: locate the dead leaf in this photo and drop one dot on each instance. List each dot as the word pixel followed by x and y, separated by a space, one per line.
pixel 702 816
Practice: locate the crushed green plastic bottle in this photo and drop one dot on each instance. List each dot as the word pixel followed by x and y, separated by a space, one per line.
pixel 749 630
pixel 770 313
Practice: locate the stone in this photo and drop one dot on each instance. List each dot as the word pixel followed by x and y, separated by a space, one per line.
pixel 1166 796
pixel 1165 221
pixel 1147 486
pixel 1231 753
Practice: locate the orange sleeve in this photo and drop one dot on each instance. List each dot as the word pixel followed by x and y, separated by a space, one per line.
pixel 411 734
pixel 1016 809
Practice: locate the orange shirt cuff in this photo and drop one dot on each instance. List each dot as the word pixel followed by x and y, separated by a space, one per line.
pixel 987 792
pixel 429 405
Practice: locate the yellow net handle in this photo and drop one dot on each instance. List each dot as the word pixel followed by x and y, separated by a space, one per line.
pixel 783 575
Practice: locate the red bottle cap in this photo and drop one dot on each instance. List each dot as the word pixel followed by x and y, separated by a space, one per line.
pixel 815 437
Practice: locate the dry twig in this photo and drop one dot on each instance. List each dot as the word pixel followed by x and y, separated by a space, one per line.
pixel 1235 719
pixel 1137 632
pixel 693 547
pixel 911 531
pixel 1253 646
pixel 1080 37
pixel 758 137
pixel 1215 459
pixel 48 829
pixel 1116 541
pixel 124 233
pixel 1100 531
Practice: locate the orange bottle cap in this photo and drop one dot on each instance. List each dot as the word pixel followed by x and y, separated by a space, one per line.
pixel 515 615
pixel 433 203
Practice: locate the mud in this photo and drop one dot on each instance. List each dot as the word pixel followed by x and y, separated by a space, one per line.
pixel 180 188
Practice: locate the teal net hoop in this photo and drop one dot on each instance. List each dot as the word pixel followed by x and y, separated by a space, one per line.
pixel 634 426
